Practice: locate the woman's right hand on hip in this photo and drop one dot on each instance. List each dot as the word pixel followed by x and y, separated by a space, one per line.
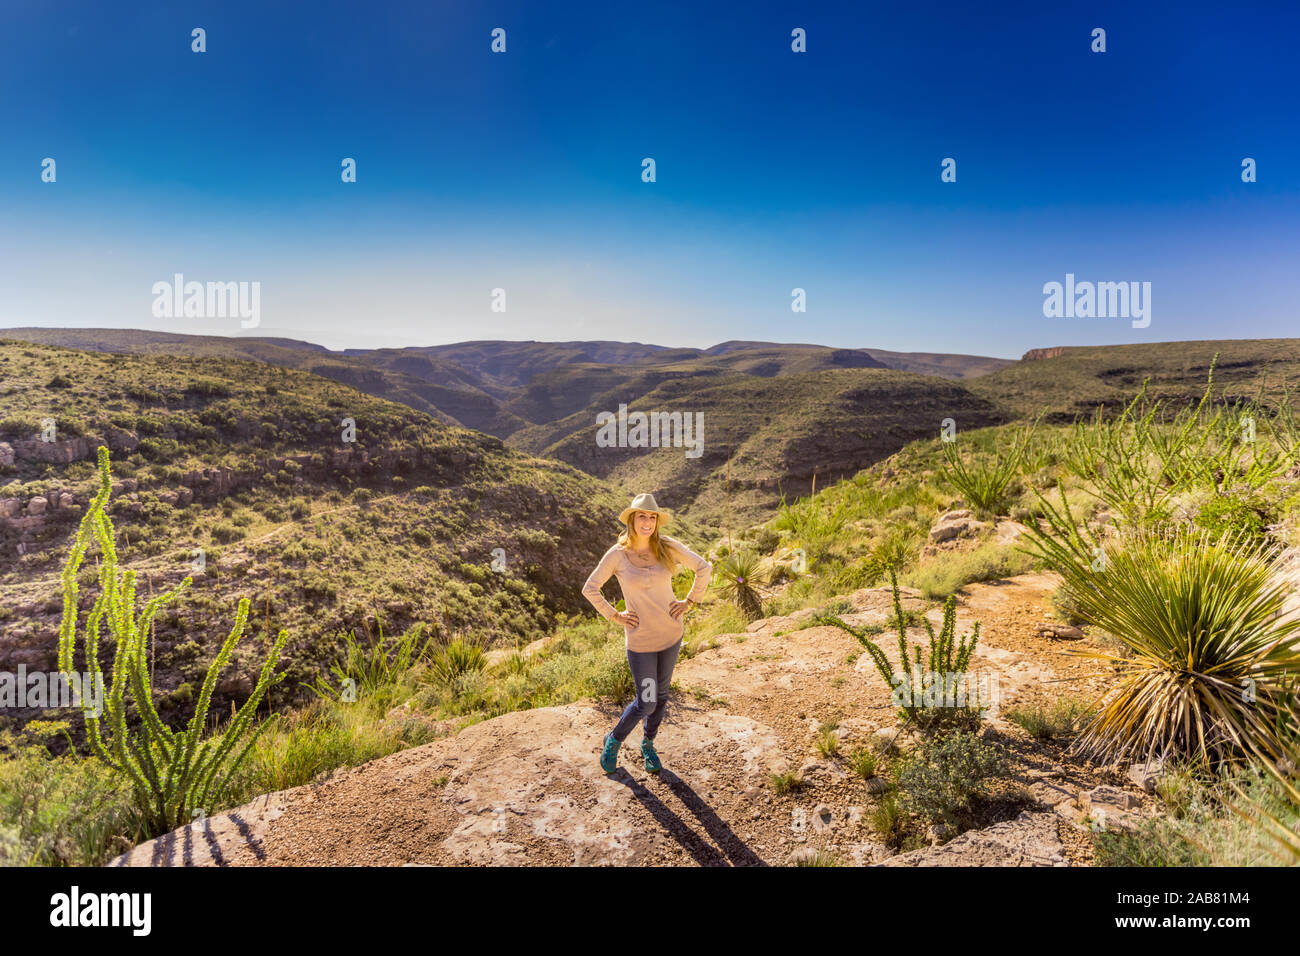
pixel 627 618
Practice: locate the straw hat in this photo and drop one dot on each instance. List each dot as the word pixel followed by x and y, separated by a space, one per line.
pixel 645 503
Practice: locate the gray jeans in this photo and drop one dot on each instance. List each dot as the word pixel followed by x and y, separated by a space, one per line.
pixel 652 674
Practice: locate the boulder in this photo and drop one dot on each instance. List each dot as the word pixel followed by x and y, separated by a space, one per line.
pixel 956 524
pixel 1031 839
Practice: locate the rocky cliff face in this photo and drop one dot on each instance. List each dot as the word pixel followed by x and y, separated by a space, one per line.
pixel 1034 355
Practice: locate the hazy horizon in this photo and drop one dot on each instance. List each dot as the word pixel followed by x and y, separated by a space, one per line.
pixel 266 334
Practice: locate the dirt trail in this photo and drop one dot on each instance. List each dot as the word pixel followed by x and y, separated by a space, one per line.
pixel 525 788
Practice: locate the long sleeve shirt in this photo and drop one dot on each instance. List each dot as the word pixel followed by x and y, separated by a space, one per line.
pixel 647 592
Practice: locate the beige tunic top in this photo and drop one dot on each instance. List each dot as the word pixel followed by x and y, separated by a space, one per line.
pixel 647 591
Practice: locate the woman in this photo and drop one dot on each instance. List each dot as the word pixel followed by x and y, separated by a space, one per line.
pixel 653 623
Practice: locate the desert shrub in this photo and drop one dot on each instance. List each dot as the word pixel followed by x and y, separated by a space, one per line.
pixel 365 671
pixel 985 481
pixel 764 539
pixel 61 811
pixel 226 531
pixel 456 658
pixel 1066 608
pixel 1243 817
pixel 1232 516
pixel 889 820
pixel 938 780
pixel 948 573
pixel 860 573
pixel 864 762
pixel 813 523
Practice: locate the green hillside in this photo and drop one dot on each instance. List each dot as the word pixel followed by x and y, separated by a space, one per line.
pixel 778 432
pixel 246 461
pixel 1076 380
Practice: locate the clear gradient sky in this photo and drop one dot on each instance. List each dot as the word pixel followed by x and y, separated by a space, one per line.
pixel 522 170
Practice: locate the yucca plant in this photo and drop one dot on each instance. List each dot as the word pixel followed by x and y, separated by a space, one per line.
pixel 174 775
pixel 457 657
pixel 738 579
pixel 984 481
pixel 366 670
pixel 944 671
pixel 1212 657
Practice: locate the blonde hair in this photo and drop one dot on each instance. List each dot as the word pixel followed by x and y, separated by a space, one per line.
pixel 661 552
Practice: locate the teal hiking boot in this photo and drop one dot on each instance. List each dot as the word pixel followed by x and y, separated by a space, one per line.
pixel 651 758
pixel 609 756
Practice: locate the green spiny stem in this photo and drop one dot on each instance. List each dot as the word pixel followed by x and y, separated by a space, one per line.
pixel 170 773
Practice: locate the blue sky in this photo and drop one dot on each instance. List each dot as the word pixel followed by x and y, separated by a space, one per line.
pixel 775 170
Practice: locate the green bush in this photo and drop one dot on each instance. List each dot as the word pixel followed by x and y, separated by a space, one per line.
pixel 61 811
pixel 1048 723
pixel 1231 516
pixel 938 780
pixel 985 481
pixel 949 573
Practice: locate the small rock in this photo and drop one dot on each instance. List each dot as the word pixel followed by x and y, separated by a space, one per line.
pixel 1147 775
pixel 877 785
pixel 1057 632
pixel 1109 797
pixel 938 833
pixel 823 819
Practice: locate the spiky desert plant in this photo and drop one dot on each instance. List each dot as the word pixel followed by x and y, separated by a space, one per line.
pixel 1140 462
pixel 367 670
pixel 944 671
pixel 457 657
pixel 1213 655
pixel 983 481
pixel 174 775
pixel 1284 426
pixel 738 578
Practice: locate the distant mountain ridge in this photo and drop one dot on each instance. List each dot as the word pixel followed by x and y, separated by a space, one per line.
pixel 775 414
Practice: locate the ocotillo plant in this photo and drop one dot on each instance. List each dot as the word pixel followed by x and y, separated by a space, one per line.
pixel 945 671
pixel 174 775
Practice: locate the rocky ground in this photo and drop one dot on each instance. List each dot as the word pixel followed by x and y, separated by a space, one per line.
pixel 526 788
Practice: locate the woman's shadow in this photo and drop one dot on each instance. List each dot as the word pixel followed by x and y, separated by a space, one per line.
pixel 733 850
